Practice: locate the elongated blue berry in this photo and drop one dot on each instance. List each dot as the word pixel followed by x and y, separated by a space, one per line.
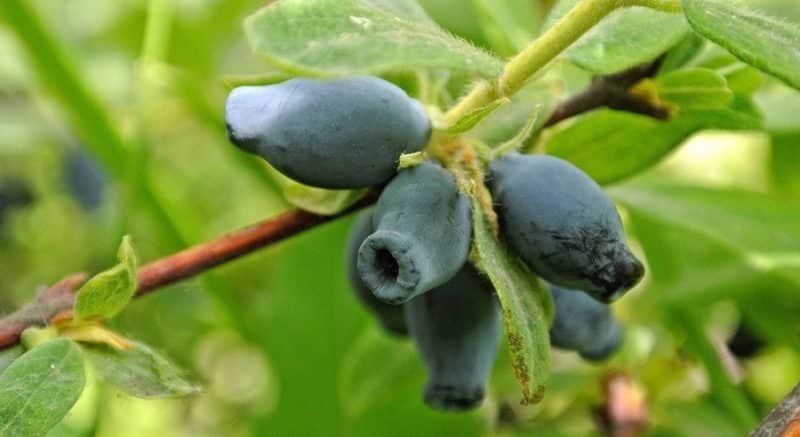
pixel 563 225
pixel 339 133
pixel 583 325
pixel 390 316
pixel 85 179
pixel 422 234
pixel 456 328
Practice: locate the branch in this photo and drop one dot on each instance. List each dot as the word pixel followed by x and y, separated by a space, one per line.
pixel 612 91
pixel 784 419
pixel 56 302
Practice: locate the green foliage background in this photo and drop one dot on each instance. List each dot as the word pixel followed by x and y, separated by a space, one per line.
pixel 278 342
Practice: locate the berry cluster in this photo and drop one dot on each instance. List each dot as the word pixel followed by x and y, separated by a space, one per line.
pixel 407 257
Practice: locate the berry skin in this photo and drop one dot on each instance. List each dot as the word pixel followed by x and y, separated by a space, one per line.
pixel 456 328
pixel 422 234
pixel 340 133
pixel 85 179
pixel 563 225
pixel 391 317
pixel 583 325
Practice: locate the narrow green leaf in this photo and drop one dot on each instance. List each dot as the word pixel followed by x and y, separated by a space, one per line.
pixel 694 88
pixel 318 200
pixel 509 25
pixel 785 162
pixel 470 119
pixel 232 81
pixel 38 389
pixel 613 145
pixel 108 293
pixel 534 101
pixel 314 199
pixel 139 372
pixel 760 229
pixel 7 356
pixel 527 309
pixel 627 37
pixel 340 37
pixel 375 368
pixel 723 389
pixel 770 44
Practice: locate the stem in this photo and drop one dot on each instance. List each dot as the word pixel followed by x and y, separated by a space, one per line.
pixel 544 49
pixel 555 40
pixel 540 52
pixel 659 5
pixel 57 301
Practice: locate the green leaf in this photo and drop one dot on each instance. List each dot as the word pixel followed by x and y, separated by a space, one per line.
pixel 770 44
pixel 694 88
pixel 627 37
pixel 232 81
pixel 509 25
pixel 534 101
pixel 342 37
pixel 139 372
pixel 108 293
pixel 784 161
pixel 761 230
pixel 527 309
pixel 314 199
pixel 722 389
pixel 613 145
pixel 8 355
pixel 38 389
pixel 472 118
pixel 375 368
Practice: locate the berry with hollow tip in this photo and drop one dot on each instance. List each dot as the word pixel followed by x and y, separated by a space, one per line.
pixel 422 234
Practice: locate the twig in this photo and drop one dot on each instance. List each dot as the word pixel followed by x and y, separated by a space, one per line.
pixel 783 420
pixel 56 300
pixel 612 91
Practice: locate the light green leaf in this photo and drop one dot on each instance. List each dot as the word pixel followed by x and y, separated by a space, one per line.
pixel 785 161
pixel 761 230
pixel 8 355
pixel 627 37
pixel 470 119
pixel 341 37
pixel 314 199
pixel 509 25
pixel 768 43
pixel 108 293
pixel 694 88
pixel 527 309
pixel 140 372
pixel 612 145
pixel 318 200
pixel 232 81
pixel 39 388
pixel 375 368
pixel 535 101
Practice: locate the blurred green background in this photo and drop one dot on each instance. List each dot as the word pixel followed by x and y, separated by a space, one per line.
pixel 277 340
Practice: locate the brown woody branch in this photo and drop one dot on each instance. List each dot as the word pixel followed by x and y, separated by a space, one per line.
pixel 54 301
pixel 57 301
pixel 783 420
pixel 612 91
